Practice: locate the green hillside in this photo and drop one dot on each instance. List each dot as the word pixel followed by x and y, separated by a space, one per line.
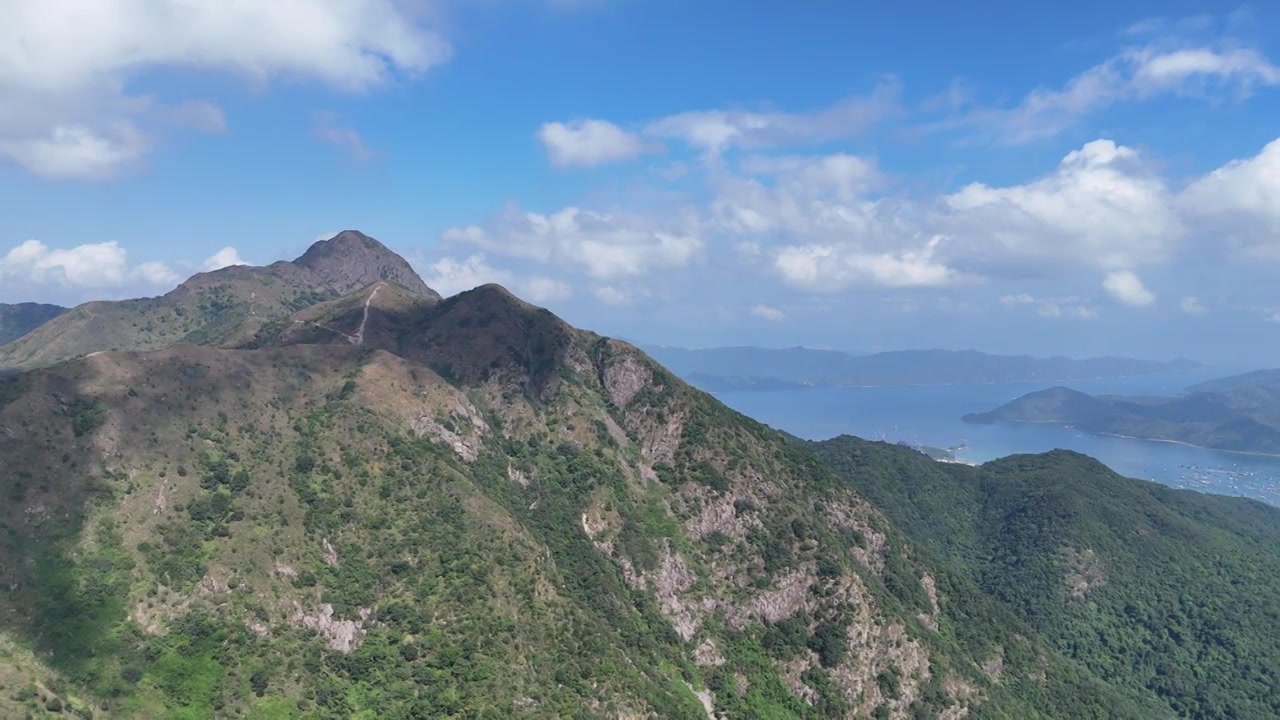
pixel 20 319
pixel 387 505
pixel 473 511
pixel 1167 592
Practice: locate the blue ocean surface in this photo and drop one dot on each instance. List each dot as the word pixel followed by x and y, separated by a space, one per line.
pixel 930 415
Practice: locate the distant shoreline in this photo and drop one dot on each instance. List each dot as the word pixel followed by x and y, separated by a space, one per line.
pixel 1099 433
pixel 1255 453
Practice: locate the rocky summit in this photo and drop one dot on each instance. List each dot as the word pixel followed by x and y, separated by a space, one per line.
pixel 221 307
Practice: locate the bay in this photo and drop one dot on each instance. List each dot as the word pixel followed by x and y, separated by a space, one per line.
pixel 930 415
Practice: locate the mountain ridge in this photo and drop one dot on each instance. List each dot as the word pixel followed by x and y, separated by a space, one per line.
pixel 224 306
pixel 381 504
pixel 313 502
pixel 18 319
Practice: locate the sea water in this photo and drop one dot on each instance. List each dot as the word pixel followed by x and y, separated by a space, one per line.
pixel 930 415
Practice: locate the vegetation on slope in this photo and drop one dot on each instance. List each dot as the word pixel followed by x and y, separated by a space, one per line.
pixel 473 511
pixel 1170 593
pixel 18 320
pixel 224 307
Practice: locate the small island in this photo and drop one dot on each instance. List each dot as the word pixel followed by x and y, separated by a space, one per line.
pixel 1239 413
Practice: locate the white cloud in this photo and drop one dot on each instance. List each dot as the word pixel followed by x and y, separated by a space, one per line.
pixel 826 230
pixel 1125 286
pixel 1191 305
pixel 226 257
pixel 1239 203
pixel 829 268
pixel 715 131
pixel 76 151
pixel 603 244
pixel 545 290
pixel 67 108
pixel 826 225
pixel 768 313
pixel 1135 74
pixel 587 143
pixel 450 276
pixel 1101 208
pixel 90 267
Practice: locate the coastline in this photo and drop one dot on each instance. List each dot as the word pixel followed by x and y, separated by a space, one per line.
pixel 1254 453
pixel 1099 433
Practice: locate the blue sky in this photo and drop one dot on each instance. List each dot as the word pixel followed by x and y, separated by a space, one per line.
pixel 1081 178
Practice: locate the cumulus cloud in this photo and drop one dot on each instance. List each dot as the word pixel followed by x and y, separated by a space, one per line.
pixel 67 107
pixel 827 229
pixel 1191 305
pixel 1240 204
pixel 827 268
pixel 226 257
pixel 587 143
pixel 1135 74
pixel 768 313
pixel 605 245
pixel 450 276
pixel 1127 287
pixel 1102 208
pixel 36 267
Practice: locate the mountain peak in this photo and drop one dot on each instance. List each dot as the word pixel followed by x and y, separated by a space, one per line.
pixel 351 260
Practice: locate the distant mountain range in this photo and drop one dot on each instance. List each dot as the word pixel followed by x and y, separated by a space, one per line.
pixel 1239 413
pixel 754 368
pixel 18 320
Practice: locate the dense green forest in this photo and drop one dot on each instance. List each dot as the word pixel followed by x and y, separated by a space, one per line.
pixel 1168 592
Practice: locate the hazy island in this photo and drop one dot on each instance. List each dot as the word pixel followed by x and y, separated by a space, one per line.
pixel 1239 413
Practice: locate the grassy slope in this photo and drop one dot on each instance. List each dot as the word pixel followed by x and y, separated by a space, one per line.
pixel 1170 593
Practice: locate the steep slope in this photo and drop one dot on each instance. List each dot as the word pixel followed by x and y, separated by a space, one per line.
pixel 226 306
pixel 1168 592
pixel 477 511
pixel 20 319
